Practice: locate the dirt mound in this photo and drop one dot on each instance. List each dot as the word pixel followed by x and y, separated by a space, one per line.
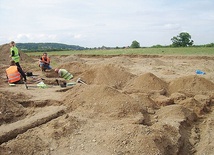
pixel 196 106
pixel 5 52
pixel 101 99
pixel 192 84
pixel 75 68
pixel 177 113
pixel 110 74
pixel 145 101
pixel 10 111
pixel 145 83
pixel 5 59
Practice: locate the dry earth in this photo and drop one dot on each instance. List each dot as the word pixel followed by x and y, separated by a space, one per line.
pixel 132 105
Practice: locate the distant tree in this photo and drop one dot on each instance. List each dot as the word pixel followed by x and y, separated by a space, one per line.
pixel 157 46
pixel 209 45
pixel 182 40
pixel 135 44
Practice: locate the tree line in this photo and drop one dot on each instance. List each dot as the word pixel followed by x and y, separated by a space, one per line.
pixel 181 40
pixel 34 47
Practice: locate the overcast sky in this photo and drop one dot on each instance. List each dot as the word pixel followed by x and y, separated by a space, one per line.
pixel 96 23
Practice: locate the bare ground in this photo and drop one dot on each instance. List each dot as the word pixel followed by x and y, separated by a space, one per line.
pixel 132 105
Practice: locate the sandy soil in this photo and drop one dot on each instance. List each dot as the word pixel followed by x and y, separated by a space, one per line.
pixel 131 105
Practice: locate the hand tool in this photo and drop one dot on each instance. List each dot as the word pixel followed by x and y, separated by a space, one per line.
pixel 81 81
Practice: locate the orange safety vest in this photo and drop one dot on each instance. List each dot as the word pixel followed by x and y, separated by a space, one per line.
pixel 13 74
pixel 47 59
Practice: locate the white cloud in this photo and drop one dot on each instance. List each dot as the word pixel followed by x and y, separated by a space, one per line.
pixel 172 26
pixel 111 23
pixel 78 36
pixel 34 37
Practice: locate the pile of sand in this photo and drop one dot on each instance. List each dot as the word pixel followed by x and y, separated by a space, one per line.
pixel 75 68
pixel 102 99
pixel 192 84
pixel 107 74
pixel 5 60
pixel 5 52
pixel 145 83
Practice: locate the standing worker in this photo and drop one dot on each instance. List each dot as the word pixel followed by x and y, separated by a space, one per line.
pixel 15 74
pixel 14 53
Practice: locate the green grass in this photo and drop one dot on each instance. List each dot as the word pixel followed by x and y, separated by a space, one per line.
pixel 199 51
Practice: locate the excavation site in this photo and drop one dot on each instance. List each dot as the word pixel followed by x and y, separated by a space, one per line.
pixel 125 105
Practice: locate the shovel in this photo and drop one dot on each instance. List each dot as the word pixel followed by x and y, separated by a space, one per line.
pixel 80 81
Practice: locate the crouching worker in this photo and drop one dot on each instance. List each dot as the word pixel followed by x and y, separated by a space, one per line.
pixel 64 74
pixel 15 74
pixel 44 62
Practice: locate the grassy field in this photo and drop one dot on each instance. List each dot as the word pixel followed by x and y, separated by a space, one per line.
pixel 199 51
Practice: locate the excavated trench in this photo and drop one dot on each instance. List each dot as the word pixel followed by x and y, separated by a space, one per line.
pixel 43 115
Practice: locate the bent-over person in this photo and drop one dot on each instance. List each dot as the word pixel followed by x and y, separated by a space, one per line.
pixel 15 74
pixel 63 73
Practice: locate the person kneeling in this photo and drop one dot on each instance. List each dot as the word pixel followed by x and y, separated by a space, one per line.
pixel 64 74
pixel 15 74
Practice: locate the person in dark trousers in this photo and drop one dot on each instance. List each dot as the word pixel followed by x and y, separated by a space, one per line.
pixel 15 74
pixel 14 53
